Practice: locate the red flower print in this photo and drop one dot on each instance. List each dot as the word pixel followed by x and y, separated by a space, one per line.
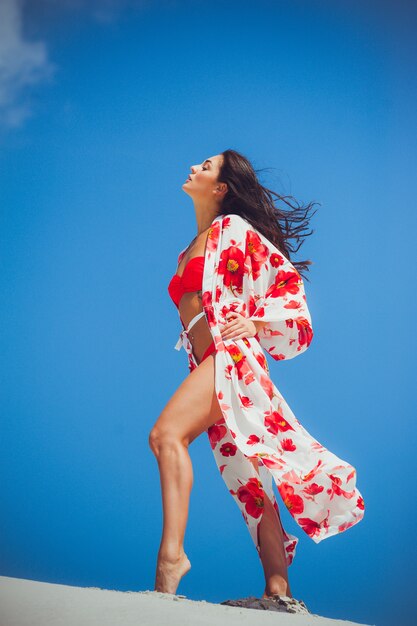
pixel 292 501
pixel 288 445
pixel 293 304
pixel 351 475
pixel 347 525
pixel 251 305
pixel 312 472
pixel 272 462
pixel 360 503
pixel 221 468
pixel 277 357
pixel 263 363
pixel 290 547
pixel 239 360
pixel 207 299
pixel 216 433
pixel 228 372
pixel 228 449
pixel 313 489
pixel 256 251
pixel 311 527
pixel 253 496
pixel 246 402
pixel 249 377
pixel 266 384
pixel 218 294
pixel 337 481
pixel 255 248
pixel 235 353
pixel 226 222
pixel 317 446
pixel 275 422
pixel 276 260
pixel 229 307
pixel 213 236
pixel 336 488
pixel 232 267
pixel 293 477
pixel 252 440
pixel 208 307
pixel 285 282
pixel 305 332
pixel 258 312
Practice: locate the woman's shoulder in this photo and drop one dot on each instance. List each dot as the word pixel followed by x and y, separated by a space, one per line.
pixel 233 219
pixel 242 227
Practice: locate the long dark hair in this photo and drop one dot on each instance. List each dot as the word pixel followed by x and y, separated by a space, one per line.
pixel 249 199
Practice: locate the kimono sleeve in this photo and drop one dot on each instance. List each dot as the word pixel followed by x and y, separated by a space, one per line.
pixel 272 290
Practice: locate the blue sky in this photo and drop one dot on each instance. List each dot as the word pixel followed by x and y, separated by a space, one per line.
pixel 103 108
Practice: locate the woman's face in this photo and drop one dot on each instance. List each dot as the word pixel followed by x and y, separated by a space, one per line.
pixel 203 177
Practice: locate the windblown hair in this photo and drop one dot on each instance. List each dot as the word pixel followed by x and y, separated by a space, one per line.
pixel 249 199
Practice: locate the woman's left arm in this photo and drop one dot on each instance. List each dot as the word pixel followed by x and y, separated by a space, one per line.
pixel 271 288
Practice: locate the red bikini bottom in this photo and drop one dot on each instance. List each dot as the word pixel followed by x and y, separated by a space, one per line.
pixel 210 349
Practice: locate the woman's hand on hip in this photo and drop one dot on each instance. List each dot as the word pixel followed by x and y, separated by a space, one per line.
pixel 237 327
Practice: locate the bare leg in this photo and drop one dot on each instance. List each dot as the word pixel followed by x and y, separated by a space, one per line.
pixel 192 410
pixel 272 553
pixel 176 477
pixel 271 541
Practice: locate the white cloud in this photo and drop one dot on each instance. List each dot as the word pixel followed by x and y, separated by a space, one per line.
pixel 23 64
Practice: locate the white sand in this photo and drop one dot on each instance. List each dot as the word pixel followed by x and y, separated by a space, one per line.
pixel 32 603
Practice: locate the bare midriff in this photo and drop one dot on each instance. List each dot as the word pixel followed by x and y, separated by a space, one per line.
pixel 191 304
pixel 199 335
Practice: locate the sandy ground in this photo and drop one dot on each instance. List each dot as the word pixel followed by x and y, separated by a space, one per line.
pixel 32 603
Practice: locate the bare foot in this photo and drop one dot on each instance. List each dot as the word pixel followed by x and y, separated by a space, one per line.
pixel 169 573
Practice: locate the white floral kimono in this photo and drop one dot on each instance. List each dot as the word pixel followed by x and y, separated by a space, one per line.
pixel 247 274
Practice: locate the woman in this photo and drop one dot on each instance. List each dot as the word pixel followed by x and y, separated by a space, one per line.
pixel 237 292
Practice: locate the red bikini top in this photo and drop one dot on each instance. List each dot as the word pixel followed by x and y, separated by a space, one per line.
pixel 191 279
